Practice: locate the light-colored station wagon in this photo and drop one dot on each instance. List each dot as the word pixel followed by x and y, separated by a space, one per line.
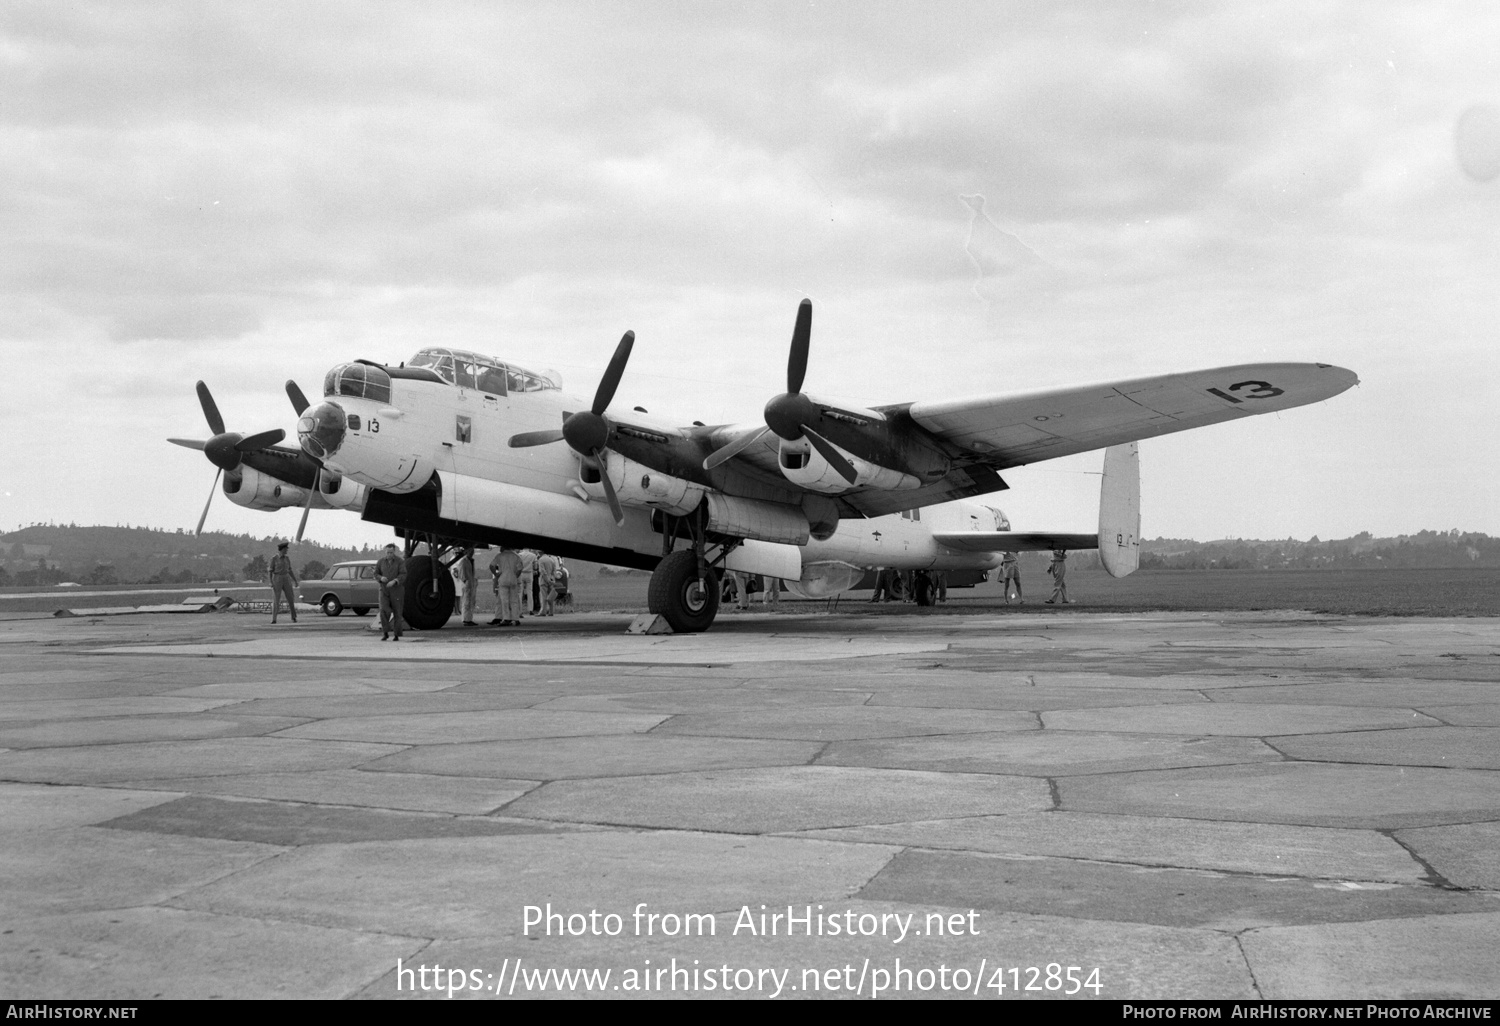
pixel 346 586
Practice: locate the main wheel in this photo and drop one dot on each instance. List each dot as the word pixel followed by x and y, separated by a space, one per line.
pixel 686 603
pixel 426 610
pixel 331 605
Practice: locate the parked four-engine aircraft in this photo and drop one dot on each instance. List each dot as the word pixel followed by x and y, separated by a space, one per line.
pixel 456 447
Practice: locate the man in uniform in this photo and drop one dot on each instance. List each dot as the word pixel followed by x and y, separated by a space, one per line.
pixel 283 583
pixel 528 583
pixel 390 574
pixel 1058 568
pixel 546 572
pixel 506 569
pixel 470 584
pixel 1010 573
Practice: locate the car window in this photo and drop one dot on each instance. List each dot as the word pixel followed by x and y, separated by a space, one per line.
pixel 367 573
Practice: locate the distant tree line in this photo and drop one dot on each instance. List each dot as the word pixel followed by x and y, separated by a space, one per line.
pixel 1431 549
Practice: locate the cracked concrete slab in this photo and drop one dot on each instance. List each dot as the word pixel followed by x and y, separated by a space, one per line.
pixel 102 764
pixel 453 728
pixel 473 794
pixel 1047 753
pixel 827 723
pixel 73 709
pixel 1238 719
pixel 293 825
pixel 1468 747
pixel 63 733
pixel 1154 841
pixel 776 800
pixel 117 955
pixel 1410 959
pixel 83 868
pixel 48 806
pixel 1316 794
pixel 1466 854
pixel 1140 894
pixel 485 883
pixel 597 756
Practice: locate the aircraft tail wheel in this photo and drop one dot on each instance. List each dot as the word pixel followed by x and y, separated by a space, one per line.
pixel 427 608
pixel 679 597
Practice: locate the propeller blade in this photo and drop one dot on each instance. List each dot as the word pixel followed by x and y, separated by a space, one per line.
pixel 263 440
pixel 612 374
pixel 796 364
pixel 210 409
pixel 299 401
pixel 609 489
pixel 199 529
pixel 833 456
pixel 306 509
pixel 734 448
pixel 529 438
pixel 188 443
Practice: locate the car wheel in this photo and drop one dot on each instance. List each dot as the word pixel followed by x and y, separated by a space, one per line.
pixel 361 610
pixel 331 605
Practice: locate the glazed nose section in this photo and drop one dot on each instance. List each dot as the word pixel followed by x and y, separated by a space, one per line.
pixel 321 430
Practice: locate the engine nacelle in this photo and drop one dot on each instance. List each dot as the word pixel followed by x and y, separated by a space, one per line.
pixel 639 485
pixel 756 519
pixel 805 467
pixel 254 490
pixel 341 493
pixel 824 580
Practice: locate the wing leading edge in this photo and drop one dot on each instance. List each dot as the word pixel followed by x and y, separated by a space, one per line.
pixel 1014 430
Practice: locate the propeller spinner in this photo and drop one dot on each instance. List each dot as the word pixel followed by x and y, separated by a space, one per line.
pixel 588 432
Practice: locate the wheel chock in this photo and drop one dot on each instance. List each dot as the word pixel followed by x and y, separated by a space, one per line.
pixel 649 623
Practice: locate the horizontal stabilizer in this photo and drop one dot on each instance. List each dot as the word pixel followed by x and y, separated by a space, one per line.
pixel 1014 541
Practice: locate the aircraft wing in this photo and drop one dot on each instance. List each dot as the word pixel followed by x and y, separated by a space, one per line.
pixel 1012 430
pixel 1013 541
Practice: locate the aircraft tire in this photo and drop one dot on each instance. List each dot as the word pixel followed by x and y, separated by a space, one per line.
pixel 425 611
pixel 678 598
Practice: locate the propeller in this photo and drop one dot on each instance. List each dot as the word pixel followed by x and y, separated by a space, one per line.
pixel 588 432
pixel 225 449
pixel 299 401
pixel 788 414
pixel 307 507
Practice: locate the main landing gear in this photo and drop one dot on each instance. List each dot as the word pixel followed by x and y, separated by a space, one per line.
pixel 430 593
pixel 684 588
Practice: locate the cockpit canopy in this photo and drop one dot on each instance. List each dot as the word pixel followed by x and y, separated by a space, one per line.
pixel 485 373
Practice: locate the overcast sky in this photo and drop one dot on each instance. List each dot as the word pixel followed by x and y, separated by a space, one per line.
pixel 978 198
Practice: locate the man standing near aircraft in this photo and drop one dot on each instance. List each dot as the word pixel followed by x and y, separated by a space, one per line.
pixel 283 583
pixel 528 583
pixel 546 572
pixel 470 584
pixel 506 568
pixel 1010 574
pixel 390 574
pixel 1058 568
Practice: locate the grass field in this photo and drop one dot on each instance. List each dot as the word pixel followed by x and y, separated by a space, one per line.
pixel 1438 592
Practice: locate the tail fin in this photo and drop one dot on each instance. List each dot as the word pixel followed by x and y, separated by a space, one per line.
pixel 1120 510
